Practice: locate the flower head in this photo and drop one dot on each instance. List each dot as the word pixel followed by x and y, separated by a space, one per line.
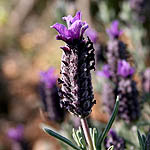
pixel 124 68
pixel 76 91
pixel 48 77
pixel 74 30
pixel 78 60
pixel 16 133
pixel 114 31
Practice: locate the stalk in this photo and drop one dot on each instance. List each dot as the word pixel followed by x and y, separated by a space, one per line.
pixel 87 135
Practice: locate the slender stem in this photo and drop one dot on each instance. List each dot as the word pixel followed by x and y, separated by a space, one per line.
pixel 87 133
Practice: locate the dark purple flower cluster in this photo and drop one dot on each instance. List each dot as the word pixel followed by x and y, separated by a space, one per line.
pixel 50 97
pixel 115 140
pixel 76 91
pixel 129 109
pixel 120 73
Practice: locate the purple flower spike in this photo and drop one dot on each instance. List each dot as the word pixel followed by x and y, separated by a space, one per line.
pixel 16 133
pixel 74 30
pixel 48 77
pixel 114 31
pixel 105 72
pixel 124 68
pixel 92 34
pixel 115 140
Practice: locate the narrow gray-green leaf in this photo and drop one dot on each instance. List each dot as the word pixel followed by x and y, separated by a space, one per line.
pixel 109 124
pixel 60 137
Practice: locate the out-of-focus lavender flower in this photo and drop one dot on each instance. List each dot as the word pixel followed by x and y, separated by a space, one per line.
pixel 129 108
pixel 50 97
pixel 105 72
pixel 48 77
pixel 120 75
pixel 74 30
pixel 115 140
pixel 146 81
pixel 114 31
pixel 116 50
pixel 16 134
pixel 76 90
pixel 92 34
pixel 124 68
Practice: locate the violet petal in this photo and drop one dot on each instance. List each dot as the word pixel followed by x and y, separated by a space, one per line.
pixel 61 29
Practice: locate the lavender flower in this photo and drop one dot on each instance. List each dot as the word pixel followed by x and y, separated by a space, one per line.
pixel 49 95
pixel 124 68
pixel 77 61
pixel 116 49
pixel 114 31
pixel 115 140
pixel 120 74
pixel 16 134
pixel 146 81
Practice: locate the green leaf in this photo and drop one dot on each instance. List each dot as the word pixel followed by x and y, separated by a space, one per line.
pixel 60 137
pixel 141 142
pixel 109 124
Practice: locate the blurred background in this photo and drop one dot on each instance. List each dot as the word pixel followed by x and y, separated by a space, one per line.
pixel 28 46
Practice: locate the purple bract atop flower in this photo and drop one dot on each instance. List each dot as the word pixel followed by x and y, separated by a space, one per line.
pixel 48 77
pixel 105 72
pixel 74 30
pixel 92 34
pixel 114 31
pixel 16 133
pixel 124 68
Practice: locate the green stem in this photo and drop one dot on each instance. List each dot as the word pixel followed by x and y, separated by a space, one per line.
pixel 87 135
